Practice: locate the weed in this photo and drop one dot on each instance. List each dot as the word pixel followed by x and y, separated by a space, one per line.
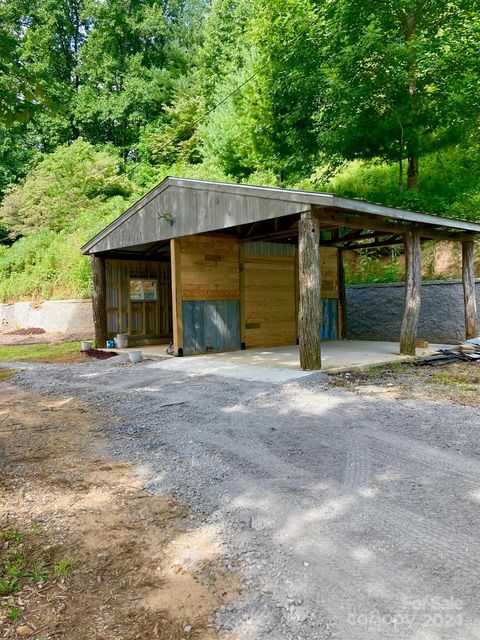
pixel 14 613
pixel 11 536
pixel 63 568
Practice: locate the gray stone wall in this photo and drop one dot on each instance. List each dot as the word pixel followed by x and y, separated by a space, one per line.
pixel 55 316
pixel 375 311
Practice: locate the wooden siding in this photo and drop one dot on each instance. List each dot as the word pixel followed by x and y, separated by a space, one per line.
pixel 209 268
pixel 206 270
pixel 193 211
pixel 270 295
pixel 270 312
pixel 138 318
pixel 329 272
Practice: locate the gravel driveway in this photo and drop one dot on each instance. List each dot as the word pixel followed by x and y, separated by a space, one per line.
pixel 347 516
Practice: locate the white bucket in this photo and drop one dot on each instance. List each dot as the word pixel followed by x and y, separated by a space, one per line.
pixel 86 345
pixel 135 356
pixel 121 341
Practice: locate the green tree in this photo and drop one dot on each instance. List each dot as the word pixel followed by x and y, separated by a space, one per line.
pixel 130 65
pixel 73 182
pixel 401 78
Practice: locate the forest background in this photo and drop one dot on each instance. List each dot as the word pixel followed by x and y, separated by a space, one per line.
pixel 101 99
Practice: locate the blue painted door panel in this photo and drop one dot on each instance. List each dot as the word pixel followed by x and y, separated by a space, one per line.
pixel 233 323
pixel 215 326
pixel 329 329
pixel 193 327
pixel 210 325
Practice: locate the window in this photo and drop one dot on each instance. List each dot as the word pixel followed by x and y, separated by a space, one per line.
pixel 141 290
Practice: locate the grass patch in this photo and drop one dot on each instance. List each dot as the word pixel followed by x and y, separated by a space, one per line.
pixel 18 565
pixel 53 352
pixel 455 383
pixel 63 568
pixel 7 374
pixel 26 560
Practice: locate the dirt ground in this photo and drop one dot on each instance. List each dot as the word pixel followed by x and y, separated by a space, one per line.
pixel 84 552
pixel 456 383
pixel 7 338
pixel 316 513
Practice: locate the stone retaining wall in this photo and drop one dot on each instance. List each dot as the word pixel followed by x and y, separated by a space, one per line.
pixel 54 316
pixel 375 311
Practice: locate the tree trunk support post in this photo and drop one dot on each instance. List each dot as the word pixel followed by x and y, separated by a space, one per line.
pixel 99 301
pixel 309 313
pixel 413 283
pixel 469 294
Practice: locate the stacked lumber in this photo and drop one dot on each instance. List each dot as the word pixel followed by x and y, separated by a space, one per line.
pixel 468 351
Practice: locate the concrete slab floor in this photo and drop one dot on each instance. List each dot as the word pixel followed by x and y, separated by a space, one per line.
pixel 280 364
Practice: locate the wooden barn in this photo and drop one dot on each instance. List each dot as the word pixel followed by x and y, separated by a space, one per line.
pixel 218 266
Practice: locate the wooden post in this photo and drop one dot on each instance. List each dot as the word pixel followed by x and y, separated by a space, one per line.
pixel 99 301
pixel 469 294
pixel 413 283
pixel 342 296
pixel 176 297
pixel 309 314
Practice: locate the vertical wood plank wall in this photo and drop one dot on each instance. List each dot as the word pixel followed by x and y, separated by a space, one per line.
pixel 206 293
pixel 138 318
pixel 270 295
pixel 215 279
pixel 270 285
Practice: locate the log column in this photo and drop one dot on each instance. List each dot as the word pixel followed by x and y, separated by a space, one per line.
pixel 413 283
pixel 469 294
pixel 99 301
pixel 309 313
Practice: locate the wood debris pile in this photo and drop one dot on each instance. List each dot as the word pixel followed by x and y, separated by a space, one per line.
pixel 468 351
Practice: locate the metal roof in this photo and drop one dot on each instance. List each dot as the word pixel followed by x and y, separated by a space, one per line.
pixel 182 206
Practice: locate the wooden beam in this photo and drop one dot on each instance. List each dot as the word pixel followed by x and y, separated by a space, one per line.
pixel 137 257
pixel 413 283
pixel 358 237
pixel 99 300
pixel 309 314
pixel 176 298
pixel 372 245
pixel 153 250
pixel 271 236
pixel 469 293
pixel 376 223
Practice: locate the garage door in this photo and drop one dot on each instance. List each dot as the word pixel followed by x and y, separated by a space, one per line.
pixel 270 310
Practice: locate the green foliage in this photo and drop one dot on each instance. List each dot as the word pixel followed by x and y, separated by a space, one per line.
pixel 101 99
pixel 130 65
pixel 73 180
pixel 370 268
pixel 17 565
pixel 400 76
pixel 64 567
pixel 450 184
pixel 69 197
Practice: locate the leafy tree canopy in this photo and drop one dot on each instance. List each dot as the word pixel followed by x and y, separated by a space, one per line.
pixel 65 185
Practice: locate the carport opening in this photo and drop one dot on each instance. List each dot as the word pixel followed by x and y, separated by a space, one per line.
pixel 139 294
